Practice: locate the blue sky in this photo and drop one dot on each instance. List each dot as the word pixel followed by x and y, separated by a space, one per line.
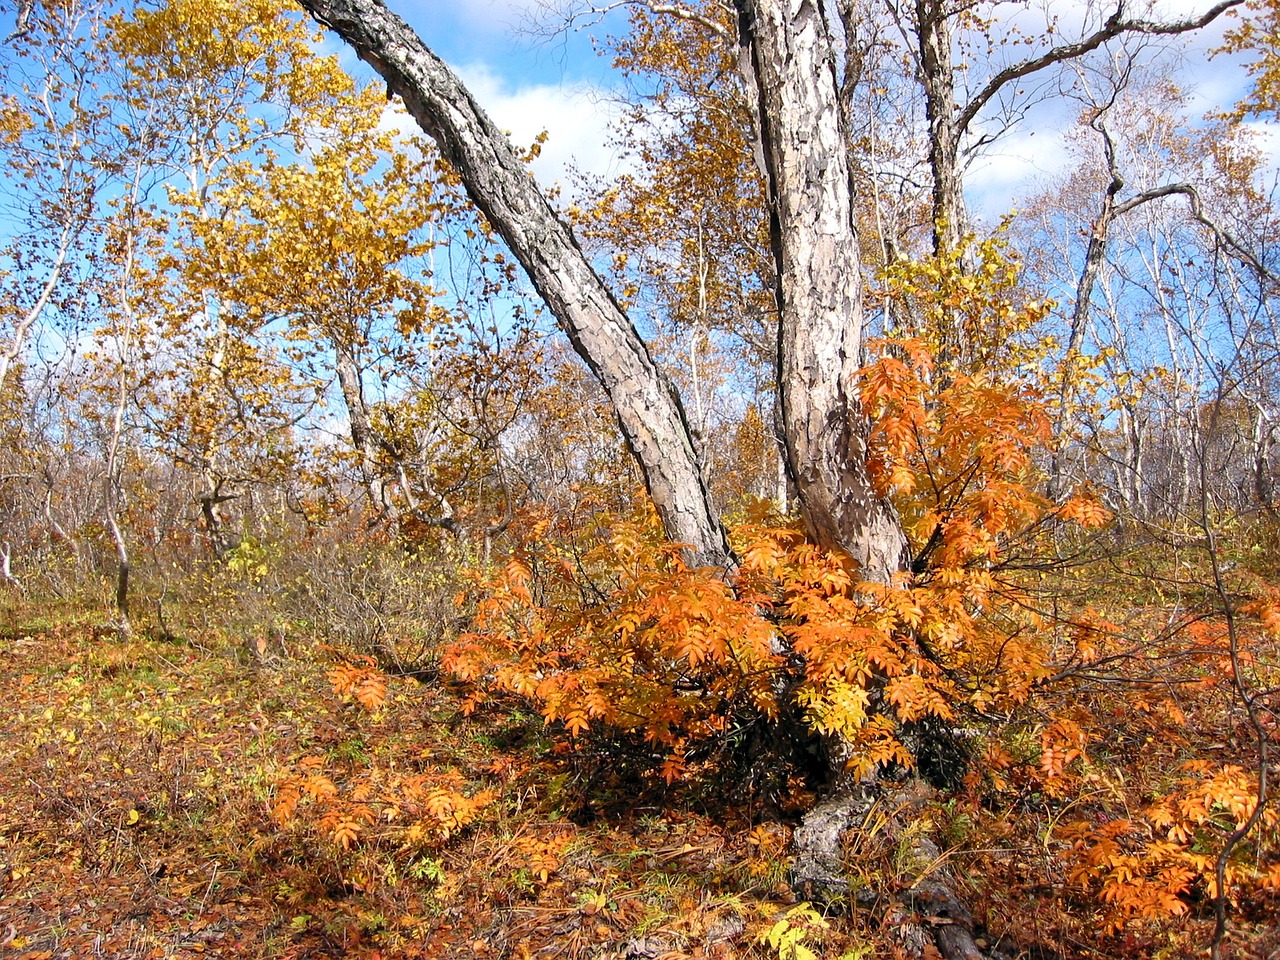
pixel 526 83
pixel 562 86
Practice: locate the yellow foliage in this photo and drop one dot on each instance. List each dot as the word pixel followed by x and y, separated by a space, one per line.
pixel 969 313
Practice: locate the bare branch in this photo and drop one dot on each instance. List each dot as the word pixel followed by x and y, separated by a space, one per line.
pixel 1117 25
pixel 1098 237
pixel 1224 237
pixel 677 10
pixel 22 28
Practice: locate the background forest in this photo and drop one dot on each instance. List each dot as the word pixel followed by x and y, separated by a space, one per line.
pixel 345 610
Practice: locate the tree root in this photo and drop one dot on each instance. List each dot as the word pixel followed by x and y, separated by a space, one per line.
pixel 927 914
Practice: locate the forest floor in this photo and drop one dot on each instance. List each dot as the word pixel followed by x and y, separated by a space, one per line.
pixel 142 814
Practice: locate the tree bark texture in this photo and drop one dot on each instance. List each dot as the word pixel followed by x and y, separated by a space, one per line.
pixel 790 68
pixel 937 77
pixel 648 408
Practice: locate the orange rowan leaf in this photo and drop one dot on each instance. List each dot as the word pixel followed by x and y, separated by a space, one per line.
pixel 674 768
pixel 1087 511
pixel 286 805
pixel 575 721
pixel 344 832
pixel 319 787
pixel 371 691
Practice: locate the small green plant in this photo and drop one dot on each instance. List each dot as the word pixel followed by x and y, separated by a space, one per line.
pixel 792 933
pixel 861 952
pixel 249 561
pixel 427 868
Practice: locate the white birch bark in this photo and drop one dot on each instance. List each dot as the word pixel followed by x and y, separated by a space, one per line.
pixel 790 67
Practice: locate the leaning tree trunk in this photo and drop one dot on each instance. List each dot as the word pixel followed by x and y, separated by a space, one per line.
pixel 647 406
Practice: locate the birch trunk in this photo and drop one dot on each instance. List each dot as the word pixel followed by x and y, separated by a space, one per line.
pixel 789 62
pixel 790 69
pixel 937 77
pixel 649 411
pixel 363 439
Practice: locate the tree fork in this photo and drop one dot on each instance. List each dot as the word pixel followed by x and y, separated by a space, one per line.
pixel 789 67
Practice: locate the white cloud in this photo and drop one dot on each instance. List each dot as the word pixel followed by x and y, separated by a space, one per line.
pixel 575 116
pixel 995 183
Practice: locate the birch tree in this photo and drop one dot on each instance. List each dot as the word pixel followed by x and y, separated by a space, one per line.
pixel 649 410
pixel 58 146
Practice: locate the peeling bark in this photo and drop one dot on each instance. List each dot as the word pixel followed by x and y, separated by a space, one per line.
pixel 792 72
pixel 1264 487
pixel 937 77
pixel 6 573
pixel 210 501
pixel 789 66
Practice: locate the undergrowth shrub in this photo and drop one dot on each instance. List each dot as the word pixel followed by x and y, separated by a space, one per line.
pixel 348 804
pixel 625 637
pixel 378 597
pixel 1138 775
pixel 361 590
pixel 612 635
pixel 1153 864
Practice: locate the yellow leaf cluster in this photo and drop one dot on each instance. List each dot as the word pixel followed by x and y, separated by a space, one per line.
pixel 969 312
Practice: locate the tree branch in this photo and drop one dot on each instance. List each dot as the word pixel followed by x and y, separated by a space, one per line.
pixel 1116 25
pixel 677 10
pixel 1224 237
pixel 19 335
pixel 22 27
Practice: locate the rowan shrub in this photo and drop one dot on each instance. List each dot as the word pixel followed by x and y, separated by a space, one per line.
pixel 1135 776
pixel 348 805
pixel 625 637
pixel 609 634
